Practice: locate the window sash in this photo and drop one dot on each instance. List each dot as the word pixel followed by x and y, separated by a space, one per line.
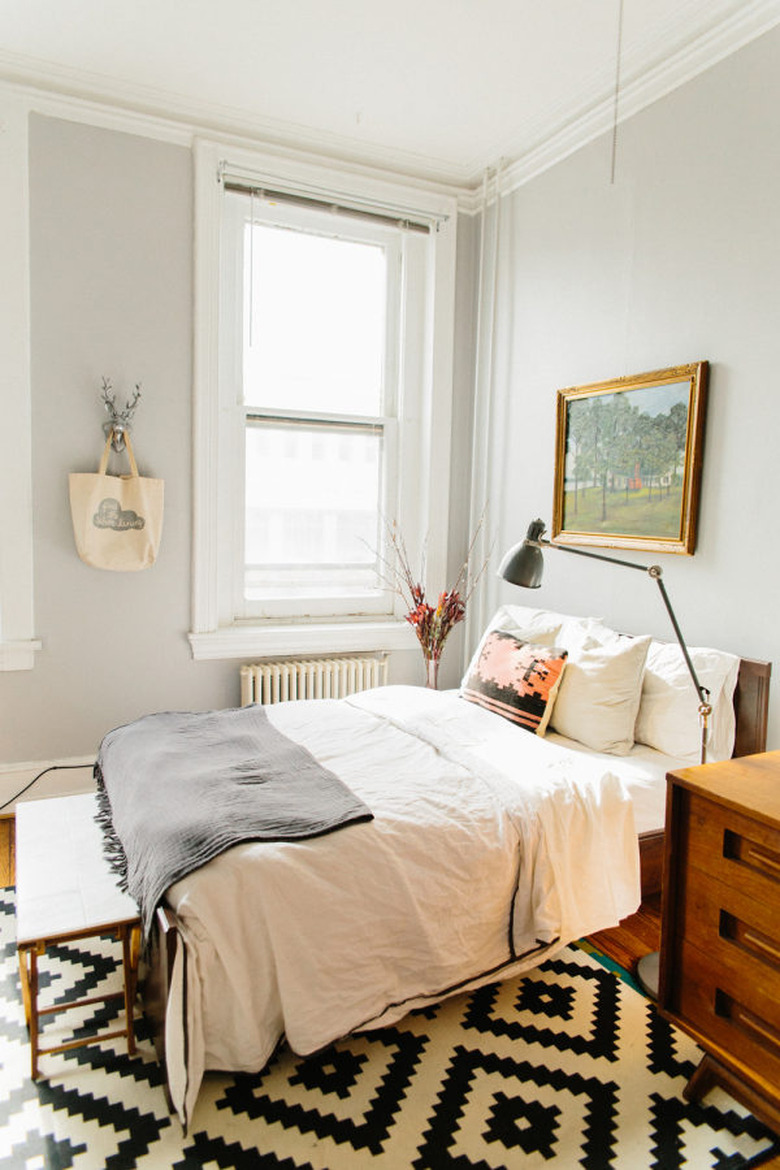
pixel 357 600
pixel 340 302
pixel 366 586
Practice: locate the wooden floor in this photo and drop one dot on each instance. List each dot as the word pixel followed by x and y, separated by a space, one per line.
pixel 634 937
pixel 7 860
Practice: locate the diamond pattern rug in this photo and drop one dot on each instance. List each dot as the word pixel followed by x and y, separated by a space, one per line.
pixel 567 1067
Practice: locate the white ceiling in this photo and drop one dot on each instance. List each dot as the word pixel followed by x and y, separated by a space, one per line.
pixel 441 89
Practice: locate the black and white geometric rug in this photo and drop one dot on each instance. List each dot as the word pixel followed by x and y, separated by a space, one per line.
pixel 567 1067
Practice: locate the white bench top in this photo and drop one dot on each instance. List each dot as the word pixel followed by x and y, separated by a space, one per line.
pixel 64 884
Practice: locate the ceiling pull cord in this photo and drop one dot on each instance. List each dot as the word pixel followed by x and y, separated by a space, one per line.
pixel 616 100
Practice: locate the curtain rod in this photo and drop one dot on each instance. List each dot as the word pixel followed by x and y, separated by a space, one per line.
pixel 398 220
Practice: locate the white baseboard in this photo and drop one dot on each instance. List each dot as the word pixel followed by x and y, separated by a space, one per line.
pixel 15 777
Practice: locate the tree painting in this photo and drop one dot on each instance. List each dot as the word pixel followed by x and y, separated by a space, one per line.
pixel 625 461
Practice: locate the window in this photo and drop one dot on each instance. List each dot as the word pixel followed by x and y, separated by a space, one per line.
pixel 313 302
pixel 322 403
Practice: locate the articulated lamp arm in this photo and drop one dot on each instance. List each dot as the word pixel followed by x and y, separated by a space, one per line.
pixel 523 565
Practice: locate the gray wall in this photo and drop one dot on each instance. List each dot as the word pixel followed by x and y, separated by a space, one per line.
pixel 111 255
pixel 677 261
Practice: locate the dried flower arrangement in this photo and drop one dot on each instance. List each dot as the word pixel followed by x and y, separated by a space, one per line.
pixel 432 623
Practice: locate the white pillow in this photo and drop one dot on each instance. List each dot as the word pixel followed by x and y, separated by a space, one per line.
pixel 599 695
pixel 539 626
pixel 668 718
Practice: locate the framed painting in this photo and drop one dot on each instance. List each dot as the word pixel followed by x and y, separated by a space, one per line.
pixel 628 461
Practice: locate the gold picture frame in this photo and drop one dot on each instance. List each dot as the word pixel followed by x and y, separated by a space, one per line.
pixel 628 461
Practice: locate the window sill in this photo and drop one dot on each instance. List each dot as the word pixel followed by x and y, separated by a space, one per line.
pixel 284 640
pixel 18 655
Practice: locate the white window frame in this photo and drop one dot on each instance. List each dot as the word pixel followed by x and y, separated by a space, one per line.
pixel 424 439
pixel 17 641
pixel 236 412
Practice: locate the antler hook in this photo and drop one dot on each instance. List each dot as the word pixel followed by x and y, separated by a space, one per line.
pixel 119 421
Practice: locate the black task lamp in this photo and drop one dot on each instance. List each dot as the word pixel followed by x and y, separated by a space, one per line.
pixel 523 565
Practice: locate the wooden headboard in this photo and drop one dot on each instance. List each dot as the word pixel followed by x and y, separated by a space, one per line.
pixel 751 706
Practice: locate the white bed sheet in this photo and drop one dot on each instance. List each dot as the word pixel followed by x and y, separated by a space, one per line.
pixel 489 847
pixel 643 772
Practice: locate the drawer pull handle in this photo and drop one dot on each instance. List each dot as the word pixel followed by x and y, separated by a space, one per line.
pixel 760 944
pixel 751 1024
pixel 762 860
pixel 730 1009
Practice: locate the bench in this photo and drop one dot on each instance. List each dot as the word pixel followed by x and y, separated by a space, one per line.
pixel 65 891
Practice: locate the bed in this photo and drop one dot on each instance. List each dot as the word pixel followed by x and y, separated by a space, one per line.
pixel 486 850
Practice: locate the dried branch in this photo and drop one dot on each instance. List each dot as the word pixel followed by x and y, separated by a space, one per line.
pixel 432 623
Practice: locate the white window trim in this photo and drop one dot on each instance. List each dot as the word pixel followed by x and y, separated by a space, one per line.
pixel 427 500
pixel 17 641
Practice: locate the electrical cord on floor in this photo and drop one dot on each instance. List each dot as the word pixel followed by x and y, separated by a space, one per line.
pixel 52 768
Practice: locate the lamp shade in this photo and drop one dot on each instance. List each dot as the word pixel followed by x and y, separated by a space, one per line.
pixel 524 564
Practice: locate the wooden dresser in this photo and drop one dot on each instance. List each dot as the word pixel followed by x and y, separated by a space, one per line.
pixel 720 940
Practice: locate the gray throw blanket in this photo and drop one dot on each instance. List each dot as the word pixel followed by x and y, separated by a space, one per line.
pixel 176 789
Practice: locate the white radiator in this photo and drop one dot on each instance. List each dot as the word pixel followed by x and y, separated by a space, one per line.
pixel 311 678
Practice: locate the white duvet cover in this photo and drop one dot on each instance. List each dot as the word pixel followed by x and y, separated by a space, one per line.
pixel 489 847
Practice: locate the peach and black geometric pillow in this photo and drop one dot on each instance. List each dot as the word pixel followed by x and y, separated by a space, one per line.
pixel 516 679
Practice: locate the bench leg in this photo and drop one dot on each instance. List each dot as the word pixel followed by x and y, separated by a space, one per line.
pixel 129 934
pixel 25 981
pixel 28 969
pixel 131 938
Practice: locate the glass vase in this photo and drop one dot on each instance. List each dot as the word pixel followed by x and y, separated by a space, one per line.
pixel 432 673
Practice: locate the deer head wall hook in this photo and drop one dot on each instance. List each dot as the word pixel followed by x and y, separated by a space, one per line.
pixel 119 421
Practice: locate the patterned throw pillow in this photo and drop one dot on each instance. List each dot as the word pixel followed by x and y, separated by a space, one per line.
pixel 516 679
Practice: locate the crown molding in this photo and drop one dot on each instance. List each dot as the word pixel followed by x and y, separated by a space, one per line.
pixel 560 135
pixel 538 143
pixel 92 112
pixel 171 117
pixel 649 85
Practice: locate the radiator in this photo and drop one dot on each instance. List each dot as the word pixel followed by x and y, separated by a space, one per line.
pixel 311 678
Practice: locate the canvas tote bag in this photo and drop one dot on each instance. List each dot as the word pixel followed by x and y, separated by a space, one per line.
pixel 117 519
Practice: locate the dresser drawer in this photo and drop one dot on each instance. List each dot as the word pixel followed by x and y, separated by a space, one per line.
pixel 730 1017
pixel 739 936
pixel 738 850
